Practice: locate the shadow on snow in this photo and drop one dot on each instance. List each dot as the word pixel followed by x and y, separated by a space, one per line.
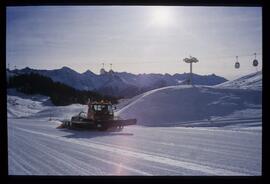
pixel 86 133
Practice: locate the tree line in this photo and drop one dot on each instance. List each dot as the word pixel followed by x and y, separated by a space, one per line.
pixel 59 93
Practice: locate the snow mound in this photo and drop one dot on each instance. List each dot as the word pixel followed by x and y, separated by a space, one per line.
pixel 20 105
pixel 60 112
pixel 251 81
pixel 178 104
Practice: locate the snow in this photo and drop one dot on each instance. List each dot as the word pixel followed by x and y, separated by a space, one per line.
pixel 251 81
pixel 20 105
pixel 189 130
pixel 176 105
pixel 36 147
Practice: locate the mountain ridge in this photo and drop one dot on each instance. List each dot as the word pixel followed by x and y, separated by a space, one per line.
pixel 118 83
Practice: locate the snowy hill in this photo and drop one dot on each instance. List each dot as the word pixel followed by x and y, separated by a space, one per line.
pixel 251 81
pixel 20 105
pixel 118 83
pixel 180 104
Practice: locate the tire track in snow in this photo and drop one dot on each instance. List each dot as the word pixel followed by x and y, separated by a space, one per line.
pixel 39 154
pixel 205 163
pixel 56 156
pixel 17 162
pixel 190 147
pixel 205 142
pixel 142 163
pixel 234 145
pixel 63 158
pixel 143 156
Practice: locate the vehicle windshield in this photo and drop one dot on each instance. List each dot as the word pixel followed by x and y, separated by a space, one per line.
pixel 99 107
pixel 110 109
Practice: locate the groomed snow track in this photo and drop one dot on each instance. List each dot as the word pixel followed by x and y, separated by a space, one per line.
pixel 36 147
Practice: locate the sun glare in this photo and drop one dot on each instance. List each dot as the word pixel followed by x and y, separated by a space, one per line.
pixel 161 16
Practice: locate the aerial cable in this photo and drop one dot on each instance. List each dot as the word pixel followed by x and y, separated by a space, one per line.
pixel 166 62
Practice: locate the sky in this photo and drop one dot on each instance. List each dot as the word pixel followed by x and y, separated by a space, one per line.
pixel 135 39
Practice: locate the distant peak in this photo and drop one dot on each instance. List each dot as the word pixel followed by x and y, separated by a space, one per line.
pixel 88 72
pixel 27 68
pixel 65 68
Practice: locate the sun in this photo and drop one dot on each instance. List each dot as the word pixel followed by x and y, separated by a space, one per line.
pixel 161 16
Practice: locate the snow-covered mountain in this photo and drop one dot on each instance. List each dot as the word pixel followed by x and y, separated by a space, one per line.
pixel 181 104
pixel 84 81
pixel 118 83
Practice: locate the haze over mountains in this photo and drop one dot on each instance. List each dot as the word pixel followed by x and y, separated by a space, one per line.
pixel 121 84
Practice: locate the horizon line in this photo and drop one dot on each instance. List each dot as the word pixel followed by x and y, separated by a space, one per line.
pixel 108 71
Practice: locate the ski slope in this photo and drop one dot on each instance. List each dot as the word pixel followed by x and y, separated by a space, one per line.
pixel 223 141
pixel 36 147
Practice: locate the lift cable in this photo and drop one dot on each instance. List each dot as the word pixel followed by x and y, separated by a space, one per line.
pixel 155 62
